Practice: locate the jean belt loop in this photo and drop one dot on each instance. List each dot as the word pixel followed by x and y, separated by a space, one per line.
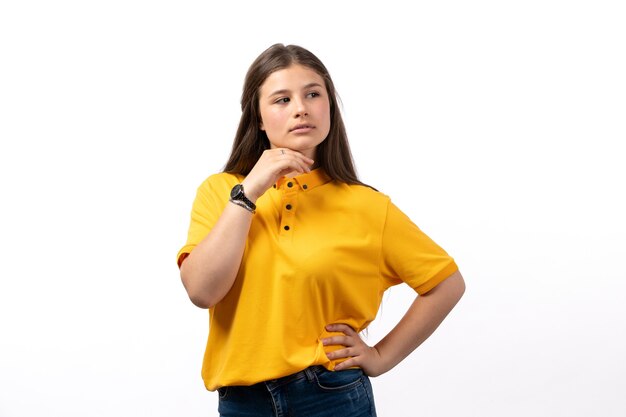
pixel 310 375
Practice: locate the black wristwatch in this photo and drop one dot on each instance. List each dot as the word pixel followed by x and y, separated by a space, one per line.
pixel 238 197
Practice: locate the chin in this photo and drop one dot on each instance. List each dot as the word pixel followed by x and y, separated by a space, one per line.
pixel 298 143
pixel 305 143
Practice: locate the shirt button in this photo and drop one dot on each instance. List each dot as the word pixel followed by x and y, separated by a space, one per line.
pixel 288 206
pixel 290 184
pixel 286 227
pixel 304 186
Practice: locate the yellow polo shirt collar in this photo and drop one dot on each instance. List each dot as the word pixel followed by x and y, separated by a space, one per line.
pixel 305 182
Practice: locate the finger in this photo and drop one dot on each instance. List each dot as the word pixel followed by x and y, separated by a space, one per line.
pixel 289 165
pixel 340 353
pixel 301 167
pixel 306 159
pixel 338 340
pixel 294 161
pixel 348 363
pixel 340 327
pixel 286 151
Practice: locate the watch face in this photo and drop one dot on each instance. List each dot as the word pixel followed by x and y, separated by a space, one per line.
pixel 236 191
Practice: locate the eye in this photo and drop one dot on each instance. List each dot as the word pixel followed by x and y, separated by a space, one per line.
pixel 282 100
pixel 313 94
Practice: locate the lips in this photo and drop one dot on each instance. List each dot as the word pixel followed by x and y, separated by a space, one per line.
pixel 301 127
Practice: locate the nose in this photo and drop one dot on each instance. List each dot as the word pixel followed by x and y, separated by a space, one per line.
pixel 300 108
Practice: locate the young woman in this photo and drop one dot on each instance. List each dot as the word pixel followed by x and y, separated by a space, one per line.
pixel 291 254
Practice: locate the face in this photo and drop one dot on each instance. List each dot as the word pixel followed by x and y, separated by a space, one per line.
pixel 295 109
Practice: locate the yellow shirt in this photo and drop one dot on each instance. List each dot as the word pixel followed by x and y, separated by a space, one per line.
pixel 318 252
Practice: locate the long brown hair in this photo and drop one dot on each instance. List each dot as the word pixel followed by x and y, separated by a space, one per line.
pixel 333 154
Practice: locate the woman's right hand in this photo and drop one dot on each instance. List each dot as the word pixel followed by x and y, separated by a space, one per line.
pixel 273 164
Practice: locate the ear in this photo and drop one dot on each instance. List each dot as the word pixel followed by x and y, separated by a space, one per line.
pixel 261 125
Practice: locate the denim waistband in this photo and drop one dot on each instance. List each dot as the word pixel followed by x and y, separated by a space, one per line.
pixel 308 373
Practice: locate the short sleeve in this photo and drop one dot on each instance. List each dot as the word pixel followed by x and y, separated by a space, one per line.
pixel 409 255
pixel 207 208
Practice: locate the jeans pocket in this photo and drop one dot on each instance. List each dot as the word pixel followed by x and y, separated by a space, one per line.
pixel 222 393
pixel 339 380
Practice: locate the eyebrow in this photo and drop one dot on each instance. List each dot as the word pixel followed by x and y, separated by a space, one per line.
pixel 285 91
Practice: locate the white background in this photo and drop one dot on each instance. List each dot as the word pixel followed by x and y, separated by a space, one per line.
pixel 497 126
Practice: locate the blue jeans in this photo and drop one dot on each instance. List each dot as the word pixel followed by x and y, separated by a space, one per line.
pixel 314 392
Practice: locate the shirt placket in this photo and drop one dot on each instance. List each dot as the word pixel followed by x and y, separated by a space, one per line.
pixel 289 205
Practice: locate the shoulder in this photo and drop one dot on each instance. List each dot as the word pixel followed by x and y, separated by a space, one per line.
pixel 362 198
pixel 373 203
pixel 363 192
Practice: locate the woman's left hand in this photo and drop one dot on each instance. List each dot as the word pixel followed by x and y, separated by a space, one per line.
pixel 356 350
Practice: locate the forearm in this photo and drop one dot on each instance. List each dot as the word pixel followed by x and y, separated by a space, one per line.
pixel 420 321
pixel 210 270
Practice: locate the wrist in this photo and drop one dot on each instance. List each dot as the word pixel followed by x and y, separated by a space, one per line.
pixel 249 191
pixel 385 364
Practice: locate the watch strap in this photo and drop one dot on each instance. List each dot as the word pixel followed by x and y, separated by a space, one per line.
pixel 246 200
pixel 242 204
